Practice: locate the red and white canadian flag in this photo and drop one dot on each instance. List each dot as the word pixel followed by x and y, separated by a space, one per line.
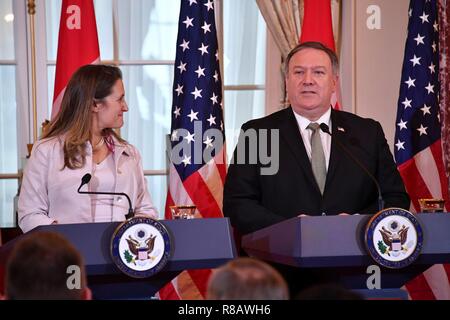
pixel 318 26
pixel 77 44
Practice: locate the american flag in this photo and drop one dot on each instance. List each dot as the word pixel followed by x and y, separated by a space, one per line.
pixel 197 127
pixel 418 150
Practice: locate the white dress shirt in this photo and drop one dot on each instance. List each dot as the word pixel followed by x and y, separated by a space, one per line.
pixel 306 134
pixel 103 180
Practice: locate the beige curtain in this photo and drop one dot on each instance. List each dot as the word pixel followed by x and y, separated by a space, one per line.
pixel 444 78
pixel 336 17
pixel 284 20
pixel 284 17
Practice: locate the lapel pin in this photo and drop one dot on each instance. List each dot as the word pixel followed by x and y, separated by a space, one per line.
pixel 341 129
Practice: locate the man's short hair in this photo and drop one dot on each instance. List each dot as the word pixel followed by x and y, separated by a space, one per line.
pixel 313 45
pixel 247 279
pixel 37 268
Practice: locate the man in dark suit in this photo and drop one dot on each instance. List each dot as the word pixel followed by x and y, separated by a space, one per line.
pixel 314 175
pixel 254 200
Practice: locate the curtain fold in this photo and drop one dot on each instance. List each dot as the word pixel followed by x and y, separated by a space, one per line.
pixel 283 21
pixel 444 75
pixel 336 19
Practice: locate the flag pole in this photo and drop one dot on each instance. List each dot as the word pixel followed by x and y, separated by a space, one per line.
pixel 31 12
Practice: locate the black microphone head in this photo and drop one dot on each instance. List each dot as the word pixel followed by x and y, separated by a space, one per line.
pixel 86 178
pixel 325 128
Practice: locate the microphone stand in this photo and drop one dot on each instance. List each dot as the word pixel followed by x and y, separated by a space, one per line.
pixel 87 177
pixel 326 129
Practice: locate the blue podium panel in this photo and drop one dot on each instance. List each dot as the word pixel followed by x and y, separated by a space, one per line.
pixel 196 244
pixel 336 244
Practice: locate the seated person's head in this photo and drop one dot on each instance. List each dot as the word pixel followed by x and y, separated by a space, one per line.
pixel 247 279
pixel 328 292
pixel 44 265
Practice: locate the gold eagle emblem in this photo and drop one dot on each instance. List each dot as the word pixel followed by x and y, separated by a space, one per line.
pixel 394 237
pixel 137 247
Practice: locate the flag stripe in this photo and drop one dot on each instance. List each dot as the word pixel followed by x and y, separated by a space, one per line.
pixel 194 190
pixel 426 165
pixel 414 183
pixel 435 277
pixel 421 175
pixel 177 191
pixel 168 292
pixel 200 278
pixel 429 285
pixel 169 203
pixel 186 287
pixel 212 178
pixel 418 289
pixel 222 167
pixel 199 192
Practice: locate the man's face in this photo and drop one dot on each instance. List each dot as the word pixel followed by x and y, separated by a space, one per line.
pixel 310 82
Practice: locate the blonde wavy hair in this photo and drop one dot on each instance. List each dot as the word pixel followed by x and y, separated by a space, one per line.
pixel 88 84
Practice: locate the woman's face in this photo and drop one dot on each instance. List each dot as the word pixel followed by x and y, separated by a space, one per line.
pixel 110 110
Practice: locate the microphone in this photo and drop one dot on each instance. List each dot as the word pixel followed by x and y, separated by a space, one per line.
pixel 87 177
pixel 326 129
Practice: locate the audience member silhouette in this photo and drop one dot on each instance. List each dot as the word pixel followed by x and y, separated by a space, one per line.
pixel 247 279
pixel 44 266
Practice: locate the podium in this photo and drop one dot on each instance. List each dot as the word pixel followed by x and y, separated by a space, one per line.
pixel 334 245
pixel 197 244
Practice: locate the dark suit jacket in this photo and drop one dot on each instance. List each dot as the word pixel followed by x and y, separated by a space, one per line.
pixel 253 201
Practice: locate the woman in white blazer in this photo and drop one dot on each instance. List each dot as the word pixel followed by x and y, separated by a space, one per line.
pixel 81 140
